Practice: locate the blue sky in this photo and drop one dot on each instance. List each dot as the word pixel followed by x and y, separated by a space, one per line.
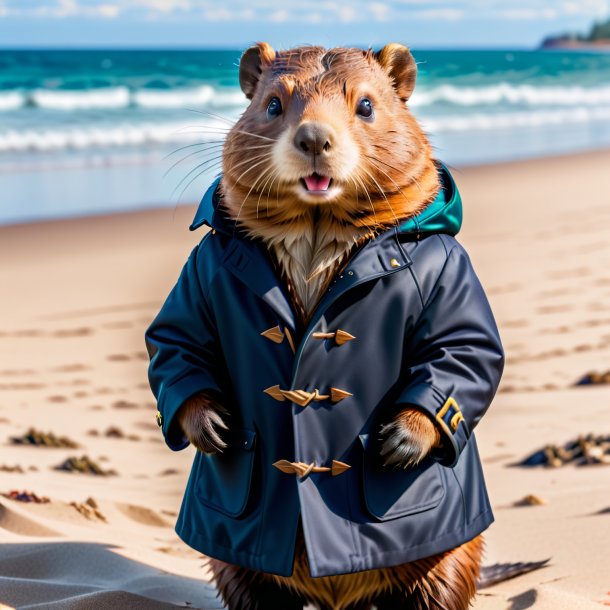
pixel 237 23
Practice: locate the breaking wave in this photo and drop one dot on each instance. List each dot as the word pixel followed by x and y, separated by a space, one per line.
pixel 112 98
pixel 147 133
pixel 122 97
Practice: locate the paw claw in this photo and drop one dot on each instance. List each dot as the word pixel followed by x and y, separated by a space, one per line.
pixel 407 439
pixel 202 422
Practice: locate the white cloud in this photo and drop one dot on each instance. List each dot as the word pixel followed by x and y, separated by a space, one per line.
pixel 62 9
pixel 441 14
pixel 110 11
pixel 164 6
pixel 313 17
pixel 380 11
pixel 322 11
pixel 592 8
pixel 529 14
pixel 218 14
pixel 280 16
pixel 347 14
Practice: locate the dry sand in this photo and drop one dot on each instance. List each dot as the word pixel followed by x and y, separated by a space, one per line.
pixel 78 294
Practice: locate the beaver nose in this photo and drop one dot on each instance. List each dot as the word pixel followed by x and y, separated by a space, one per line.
pixel 313 138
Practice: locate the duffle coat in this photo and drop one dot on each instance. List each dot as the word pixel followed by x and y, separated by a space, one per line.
pixel 405 323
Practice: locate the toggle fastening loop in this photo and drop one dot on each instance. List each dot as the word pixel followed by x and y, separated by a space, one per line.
pixel 302 470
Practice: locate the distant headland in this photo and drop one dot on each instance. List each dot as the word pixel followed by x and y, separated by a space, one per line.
pixel 597 38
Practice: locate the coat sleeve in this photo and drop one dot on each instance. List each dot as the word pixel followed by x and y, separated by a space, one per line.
pixel 183 349
pixel 455 358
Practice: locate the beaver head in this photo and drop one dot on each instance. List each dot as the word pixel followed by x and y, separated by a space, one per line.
pixel 327 128
pixel 326 155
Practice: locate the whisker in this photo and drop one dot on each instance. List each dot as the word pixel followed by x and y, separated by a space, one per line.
pixel 264 155
pixel 250 159
pixel 195 178
pixel 263 158
pixel 242 131
pixel 383 194
pixel 255 135
pixel 218 116
pixel 197 152
pixel 262 191
pixel 366 192
pixel 276 175
pixel 389 178
pixel 197 167
pixel 248 194
pixel 210 142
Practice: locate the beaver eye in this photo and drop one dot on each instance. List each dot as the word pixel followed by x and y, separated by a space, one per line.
pixel 365 108
pixel 274 108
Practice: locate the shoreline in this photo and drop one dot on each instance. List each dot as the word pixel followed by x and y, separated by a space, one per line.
pixel 161 208
pixel 78 294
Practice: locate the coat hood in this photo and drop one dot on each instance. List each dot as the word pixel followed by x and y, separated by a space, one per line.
pixel 443 215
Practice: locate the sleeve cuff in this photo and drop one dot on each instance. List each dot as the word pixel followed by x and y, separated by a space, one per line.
pixel 172 397
pixel 447 415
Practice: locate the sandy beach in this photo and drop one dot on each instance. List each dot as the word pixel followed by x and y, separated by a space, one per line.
pixel 78 294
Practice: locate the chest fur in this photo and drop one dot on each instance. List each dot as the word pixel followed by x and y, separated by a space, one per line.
pixel 309 254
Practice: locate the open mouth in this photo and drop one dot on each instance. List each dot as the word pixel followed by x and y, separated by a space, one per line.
pixel 316 183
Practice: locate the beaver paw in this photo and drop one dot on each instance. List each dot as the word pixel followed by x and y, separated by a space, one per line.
pixel 408 438
pixel 201 421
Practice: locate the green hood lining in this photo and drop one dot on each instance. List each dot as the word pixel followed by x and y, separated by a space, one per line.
pixel 443 215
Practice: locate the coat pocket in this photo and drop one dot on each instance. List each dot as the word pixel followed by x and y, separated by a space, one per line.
pixel 390 493
pixel 225 478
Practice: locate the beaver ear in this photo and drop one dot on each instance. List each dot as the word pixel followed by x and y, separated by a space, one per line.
pixel 398 62
pixel 251 66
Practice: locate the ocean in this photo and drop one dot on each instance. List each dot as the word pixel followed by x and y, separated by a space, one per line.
pixel 89 132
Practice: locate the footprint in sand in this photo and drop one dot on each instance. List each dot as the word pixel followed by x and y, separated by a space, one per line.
pixel 143 515
pixel 57 398
pixel 68 333
pixel 119 325
pixel 504 289
pixel 70 368
pixel 16 523
pixel 548 309
pixel 16 372
pixel 26 332
pixel 22 386
pixel 515 323
pixel 124 404
pixel 561 274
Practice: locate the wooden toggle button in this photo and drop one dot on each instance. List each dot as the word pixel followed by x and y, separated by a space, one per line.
pixel 340 336
pixel 301 397
pixel 302 470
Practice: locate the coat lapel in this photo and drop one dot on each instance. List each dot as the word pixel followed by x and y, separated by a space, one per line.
pixel 381 256
pixel 250 263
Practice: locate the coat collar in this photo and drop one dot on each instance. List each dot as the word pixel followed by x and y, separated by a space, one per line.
pixel 382 255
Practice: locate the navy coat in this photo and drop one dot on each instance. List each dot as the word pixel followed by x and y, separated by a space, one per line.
pixel 406 323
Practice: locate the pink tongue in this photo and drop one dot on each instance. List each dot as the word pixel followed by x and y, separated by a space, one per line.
pixel 315 182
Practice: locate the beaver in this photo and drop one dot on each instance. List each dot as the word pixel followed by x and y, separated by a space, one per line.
pixel 327 156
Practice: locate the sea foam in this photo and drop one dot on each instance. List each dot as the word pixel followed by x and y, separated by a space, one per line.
pixel 207 96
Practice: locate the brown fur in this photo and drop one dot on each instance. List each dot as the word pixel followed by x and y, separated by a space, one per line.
pixel 446 581
pixel 383 173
